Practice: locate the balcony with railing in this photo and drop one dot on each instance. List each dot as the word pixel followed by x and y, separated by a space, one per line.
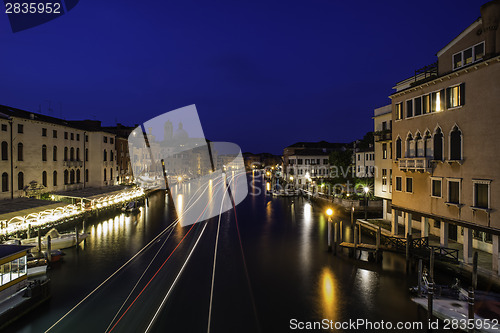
pixel 384 135
pixel 415 164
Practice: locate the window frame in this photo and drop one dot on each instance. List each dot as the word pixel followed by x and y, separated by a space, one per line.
pixel 406 184
pixel 483 182
pixel 474 60
pixel 396 183
pixel 456 180
pixel 440 179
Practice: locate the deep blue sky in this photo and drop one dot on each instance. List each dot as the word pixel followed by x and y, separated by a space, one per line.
pixel 263 74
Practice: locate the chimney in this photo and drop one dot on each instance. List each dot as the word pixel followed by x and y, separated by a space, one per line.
pixel 490 13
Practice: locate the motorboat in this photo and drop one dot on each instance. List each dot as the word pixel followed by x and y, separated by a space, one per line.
pixel 131 207
pixel 57 240
pixel 36 266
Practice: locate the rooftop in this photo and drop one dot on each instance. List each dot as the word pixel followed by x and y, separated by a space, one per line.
pixel 9 250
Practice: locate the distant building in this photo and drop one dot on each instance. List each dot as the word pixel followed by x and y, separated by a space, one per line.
pixel 307 162
pixel 260 160
pixel 445 124
pixel 383 157
pixel 306 166
pixel 364 161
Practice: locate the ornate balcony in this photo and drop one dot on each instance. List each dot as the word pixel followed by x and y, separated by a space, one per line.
pixel 415 164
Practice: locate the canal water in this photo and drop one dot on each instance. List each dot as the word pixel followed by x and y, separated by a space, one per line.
pixel 272 270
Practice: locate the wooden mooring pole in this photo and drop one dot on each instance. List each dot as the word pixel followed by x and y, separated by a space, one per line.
pixel 430 290
pixel 335 240
pixel 470 296
pixel 49 250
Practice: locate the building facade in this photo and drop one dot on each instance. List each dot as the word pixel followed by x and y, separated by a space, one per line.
pixel 364 163
pixel 383 157
pixel 42 154
pixel 445 177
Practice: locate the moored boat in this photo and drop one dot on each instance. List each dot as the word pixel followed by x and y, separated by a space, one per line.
pixel 57 240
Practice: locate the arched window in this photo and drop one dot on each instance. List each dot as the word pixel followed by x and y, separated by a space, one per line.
pixel 54 153
pixel 54 178
pixel 72 154
pixel 86 175
pixel 456 144
pixel 72 176
pixel 86 155
pixel 438 145
pixel 5 151
pixel 78 176
pixel 398 148
pixel 20 151
pixel 20 181
pixel 111 173
pixel 410 146
pixel 428 144
pixel 5 182
pixel 66 176
pixel 44 178
pixel 419 145
pixel 111 155
pixel 44 153
pixel 104 174
pixel 105 155
pixel 65 153
pixel 77 154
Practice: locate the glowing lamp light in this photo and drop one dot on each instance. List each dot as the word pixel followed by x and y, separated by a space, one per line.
pixel 329 212
pixel 179 178
pixel 366 189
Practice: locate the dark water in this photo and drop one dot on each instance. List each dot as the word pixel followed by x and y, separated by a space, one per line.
pixel 272 266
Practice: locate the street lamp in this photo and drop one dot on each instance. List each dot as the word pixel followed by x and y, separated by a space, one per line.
pixel 366 190
pixel 329 213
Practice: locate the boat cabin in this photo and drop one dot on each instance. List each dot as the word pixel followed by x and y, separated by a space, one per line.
pixel 13 269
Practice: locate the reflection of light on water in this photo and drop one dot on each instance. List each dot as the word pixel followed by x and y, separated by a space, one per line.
pixel 328 294
pixel 367 282
pixel 305 239
pixel 180 207
pixel 307 213
pixel 99 230
pixel 92 231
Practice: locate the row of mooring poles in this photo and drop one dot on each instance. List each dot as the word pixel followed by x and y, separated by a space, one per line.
pixel 356 232
pixel 49 241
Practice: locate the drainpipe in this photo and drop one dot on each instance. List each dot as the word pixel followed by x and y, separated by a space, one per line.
pixel 11 162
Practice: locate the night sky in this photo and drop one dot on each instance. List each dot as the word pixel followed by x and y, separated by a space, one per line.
pixel 263 74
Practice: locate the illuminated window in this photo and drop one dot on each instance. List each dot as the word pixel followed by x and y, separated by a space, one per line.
pixel 426 104
pixel 437 101
pixel 455 96
pixel 399 111
pixel 468 56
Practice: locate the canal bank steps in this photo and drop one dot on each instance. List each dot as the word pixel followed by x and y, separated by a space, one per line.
pixel 487 278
